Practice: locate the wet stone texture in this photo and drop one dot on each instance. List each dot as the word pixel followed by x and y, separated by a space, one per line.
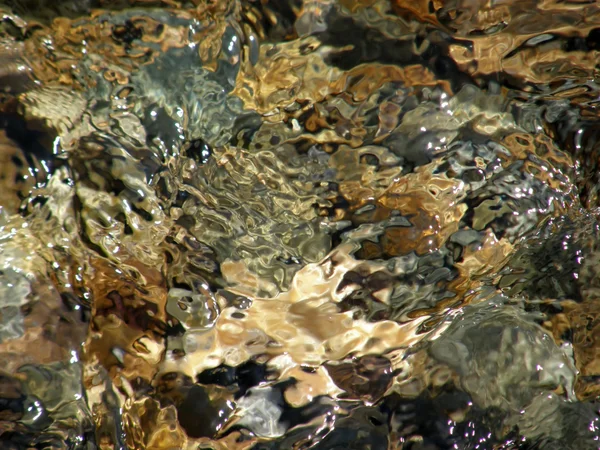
pixel 353 224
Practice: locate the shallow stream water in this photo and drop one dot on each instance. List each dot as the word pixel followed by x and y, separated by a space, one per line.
pixel 299 224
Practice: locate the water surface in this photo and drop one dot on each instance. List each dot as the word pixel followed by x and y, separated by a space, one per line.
pixel 318 224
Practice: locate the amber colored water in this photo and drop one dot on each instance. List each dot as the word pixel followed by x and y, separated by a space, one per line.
pixel 318 224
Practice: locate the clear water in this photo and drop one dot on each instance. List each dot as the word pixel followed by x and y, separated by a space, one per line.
pixel 353 224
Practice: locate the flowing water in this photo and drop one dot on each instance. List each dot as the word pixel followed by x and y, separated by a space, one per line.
pixel 300 224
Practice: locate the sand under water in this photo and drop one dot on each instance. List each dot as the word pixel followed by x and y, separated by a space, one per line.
pixel 318 224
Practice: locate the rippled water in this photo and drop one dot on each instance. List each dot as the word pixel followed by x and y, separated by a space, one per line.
pixel 318 224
